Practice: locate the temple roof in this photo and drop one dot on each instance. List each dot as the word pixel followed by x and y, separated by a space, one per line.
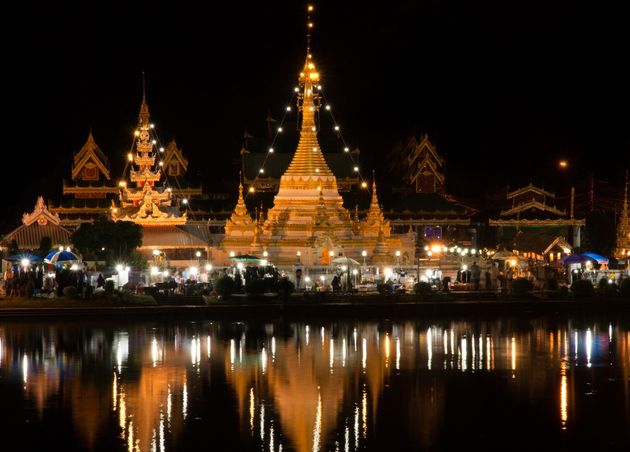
pixel 429 203
pixel 170 237
pixel 89 152
pixel 277 164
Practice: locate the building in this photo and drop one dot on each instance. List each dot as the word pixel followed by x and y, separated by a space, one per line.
pixel 90 190
pixel 36 225
pixel 531 224
pixel 623 228
pixel 308 222
pixel 422 204
pixel 147 198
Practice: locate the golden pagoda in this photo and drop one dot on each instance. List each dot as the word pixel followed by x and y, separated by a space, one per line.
pixel 308 219
pixel 623 227
pixel 148 202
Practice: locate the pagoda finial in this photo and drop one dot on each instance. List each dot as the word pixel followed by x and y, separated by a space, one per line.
pixel 144 108
pixel 374 196
pixel 309 25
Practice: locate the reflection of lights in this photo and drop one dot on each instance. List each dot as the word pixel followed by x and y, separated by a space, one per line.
pixel 273 348
pixel 195 351
pixel 364 411
pixel 464 354
pixel 445 336
pixel 232 351
pixel 429 348
pixel 354 338
pixel 343 352
pixel 397 353
pixel 387 350
pixel 363 352
pixel 208 346
pixel 610 338
pixel 356 427
pixel 332 353
pixel 317 429
pixel 251 409
pixel 564 395
pixel 154 351
pixel 262 422
pixel 263 359
pixel 589 346
pixel 307 330
pixel 576 345
pixel 122 349
pixel 25 369
pixel 513 351
pixel 114 392
pixel 185 401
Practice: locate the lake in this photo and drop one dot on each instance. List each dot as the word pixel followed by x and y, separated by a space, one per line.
pixel 499 383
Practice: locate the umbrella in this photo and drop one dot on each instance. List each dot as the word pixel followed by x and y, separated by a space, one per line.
pixel 246 258
pixel 57 257
pixel 344 260
pixel 599 258
pixel 20 257
pixel 577 259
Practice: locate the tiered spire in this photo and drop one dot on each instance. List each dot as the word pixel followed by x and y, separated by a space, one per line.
pixel 623 226
pixel 146 203
pixel 375 213
pixel 240 216
pixel 308 168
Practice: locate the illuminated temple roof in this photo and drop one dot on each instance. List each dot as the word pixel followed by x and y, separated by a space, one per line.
pixel 36 225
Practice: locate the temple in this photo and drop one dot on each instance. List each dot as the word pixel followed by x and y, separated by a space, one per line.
pixel 423 204
pixel 36 225
pixel 531 224
pixel 623 227
pixel 90 190
pixel 308 222
pixel 146 198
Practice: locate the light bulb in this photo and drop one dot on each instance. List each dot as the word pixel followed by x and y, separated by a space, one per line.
pixel 288 108
pixel 161 149
pixel 346 149
pixel 271 150
pixel 356 169
pixel 154 142
pixel 262 170
pixel 279 129
pixel 327 107
pixel 337 128
pixel 296 89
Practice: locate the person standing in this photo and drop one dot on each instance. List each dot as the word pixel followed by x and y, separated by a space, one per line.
pixel 475 275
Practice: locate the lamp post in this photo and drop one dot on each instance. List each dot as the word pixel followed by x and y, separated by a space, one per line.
pixel 364 254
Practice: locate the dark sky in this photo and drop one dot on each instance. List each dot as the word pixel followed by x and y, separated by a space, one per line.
pixel 504 93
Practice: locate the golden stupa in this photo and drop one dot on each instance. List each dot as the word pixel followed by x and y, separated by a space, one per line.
pixel 308 222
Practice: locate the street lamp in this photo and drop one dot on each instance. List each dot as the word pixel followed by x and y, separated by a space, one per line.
pixel 364 254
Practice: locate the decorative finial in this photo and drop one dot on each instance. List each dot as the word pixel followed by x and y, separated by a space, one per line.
pixel 309 25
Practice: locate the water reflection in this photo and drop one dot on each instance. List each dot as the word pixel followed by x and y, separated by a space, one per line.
pixel 150 387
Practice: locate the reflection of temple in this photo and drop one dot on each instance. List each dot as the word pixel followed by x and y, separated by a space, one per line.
pixel 308 216
pixel 531 224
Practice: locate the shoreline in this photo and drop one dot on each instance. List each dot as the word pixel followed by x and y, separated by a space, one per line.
pixel 351 308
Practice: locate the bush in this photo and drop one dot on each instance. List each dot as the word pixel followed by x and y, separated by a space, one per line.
pixel 625 288
pixel 109 287
pixel 384 288
pixel 70 292
pixel 423 288
pixel 256 287
pixel 225 286
pixel 551 284
pixel 582 288
pixel 284 286
pixel 521 286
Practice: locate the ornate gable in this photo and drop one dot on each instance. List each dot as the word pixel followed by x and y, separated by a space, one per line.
pixel 425 166
pixel 90 162
pixel 41 215
pixel 174 161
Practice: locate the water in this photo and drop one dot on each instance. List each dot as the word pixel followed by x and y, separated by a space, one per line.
pixel 500 384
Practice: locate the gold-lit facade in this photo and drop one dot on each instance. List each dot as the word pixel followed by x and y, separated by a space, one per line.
pixel 308 218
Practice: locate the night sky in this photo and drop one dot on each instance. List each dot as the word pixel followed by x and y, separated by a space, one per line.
pixel 502 93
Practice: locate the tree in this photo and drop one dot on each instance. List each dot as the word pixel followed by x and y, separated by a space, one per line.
pixel 110 241
pixel 45 245
pixel 599 234
pixel 13 248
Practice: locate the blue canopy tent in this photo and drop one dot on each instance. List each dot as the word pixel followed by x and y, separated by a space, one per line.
pixel 599 258
pixel 577 259
pixel 20 257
